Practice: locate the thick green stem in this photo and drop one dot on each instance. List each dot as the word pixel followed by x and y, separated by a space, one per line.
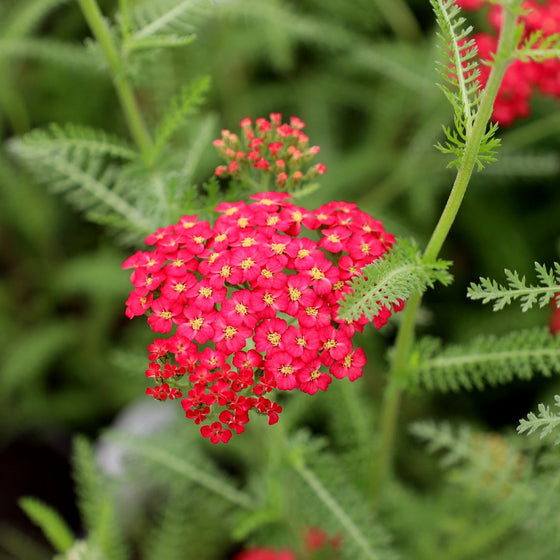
pixel 398 374
pixel 134 119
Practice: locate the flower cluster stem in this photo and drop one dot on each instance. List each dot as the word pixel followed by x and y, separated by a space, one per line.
pixel 398 373
pixel 133 116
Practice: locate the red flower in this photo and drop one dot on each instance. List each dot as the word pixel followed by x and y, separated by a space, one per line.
pixel 253 301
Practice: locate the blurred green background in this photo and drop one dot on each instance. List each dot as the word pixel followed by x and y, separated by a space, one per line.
pixel 362 77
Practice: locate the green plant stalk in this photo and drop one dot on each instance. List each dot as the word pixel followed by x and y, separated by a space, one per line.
pixel 398 373
pixel 134 119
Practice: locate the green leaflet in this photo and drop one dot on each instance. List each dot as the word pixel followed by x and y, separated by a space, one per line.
pixel 545 422
pixel 489 290
pixel 53 526
pixel 390 280
pixel 486 360
pixel 460 72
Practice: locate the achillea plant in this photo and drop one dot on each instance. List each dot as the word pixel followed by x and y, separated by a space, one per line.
pixel 537 66
pixel 252 300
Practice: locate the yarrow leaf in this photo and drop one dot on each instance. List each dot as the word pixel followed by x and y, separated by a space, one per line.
pixel 486 360
pixel 461 74
pixel 186 103
pixel 392 280
pixel 517 289
pixel 545 422
pixel 539 47
pixel 51 523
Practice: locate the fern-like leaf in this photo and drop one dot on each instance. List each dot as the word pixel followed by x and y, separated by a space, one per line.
pixel 539 47
pixel 486 463
pixel 186 103
pixel 53 526
pixel 390 280
pixel 336 502
pixel 190 471
pixel 487 360
pixel 86 166
pixel 461 86
pixel 166 23
pixel 545 422
pixel 489 290
pixel 96 504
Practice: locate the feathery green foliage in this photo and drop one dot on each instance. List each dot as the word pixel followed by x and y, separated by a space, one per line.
pixel 186 103
pixel 389 280
pixel 166 23
pixel 486 360
pixel 545 422
pixel 328 494
pixel 53 526
pixel 539 47
pixel 460 71
pixel 86 166
pixel 96 504
pixel 188 469
pixel 489 290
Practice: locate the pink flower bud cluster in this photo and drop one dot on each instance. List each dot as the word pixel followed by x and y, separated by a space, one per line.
pixel 522 77
pixel 253 305
pixel 269 148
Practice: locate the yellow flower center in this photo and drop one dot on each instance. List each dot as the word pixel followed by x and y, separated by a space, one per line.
pixel 300 341
pixel 297 216
pixel 247 263
pixel 317 273
pixel 179 287
pixel 364 248
pixel 274 338
pixel 333 237
pixel 286 370
pixel 231 211
pixel 221 237
pixel 197 323
pixel 205 291
pixel 199 239
pixel 166 315
pixel 315 374
pixel 339 285
pixel 302 253
pixel 312 311
pixel 268 299
pixel 243 222
pixel 278 248
pixel 272 220
pixel 330 343
pixel 266 273
pixel 230 332
pixel 241 309
pixel 347 361
pixel 226 271
pixel 294 294
pixel 248 242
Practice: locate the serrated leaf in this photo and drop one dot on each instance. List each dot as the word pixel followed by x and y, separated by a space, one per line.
pixel 391 280
pixel 489 290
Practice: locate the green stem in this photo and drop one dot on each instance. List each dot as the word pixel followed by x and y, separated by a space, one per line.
pixel 134 119
pixel 398 374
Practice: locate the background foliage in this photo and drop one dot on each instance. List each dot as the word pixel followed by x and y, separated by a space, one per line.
pixel 364 82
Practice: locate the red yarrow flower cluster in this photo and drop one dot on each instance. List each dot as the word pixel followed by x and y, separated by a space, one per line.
pixel 269 149
pixel 250 305
pixel 522 77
